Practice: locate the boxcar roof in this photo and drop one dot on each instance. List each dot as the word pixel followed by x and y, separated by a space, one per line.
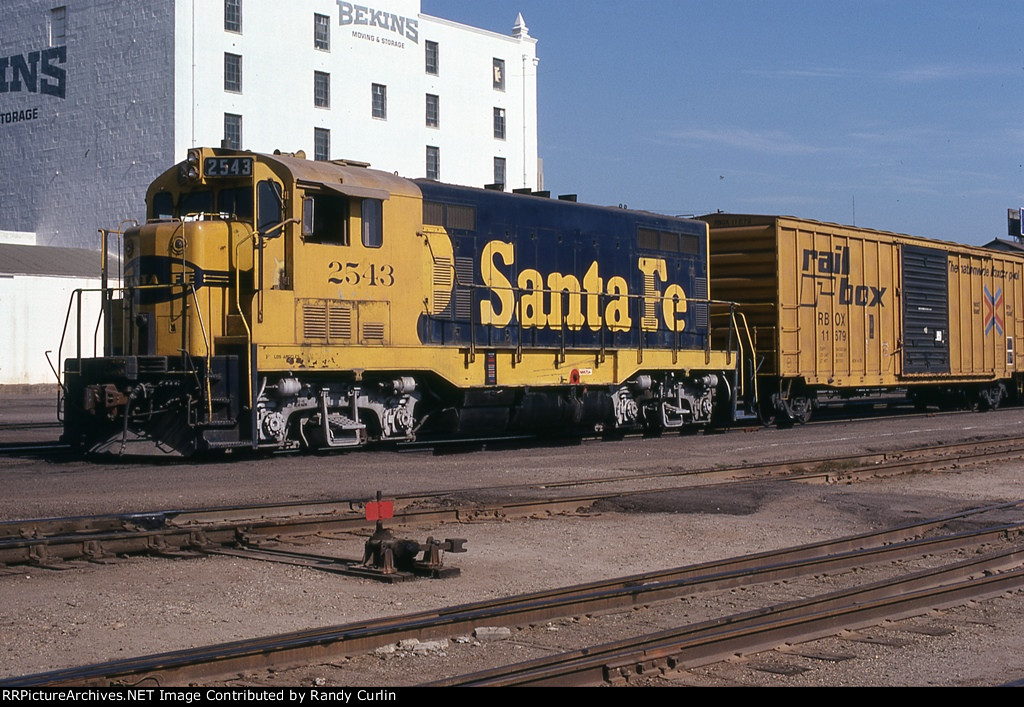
pixel 721 219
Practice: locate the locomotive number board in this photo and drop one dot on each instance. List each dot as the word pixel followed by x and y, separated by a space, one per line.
pixel 227 167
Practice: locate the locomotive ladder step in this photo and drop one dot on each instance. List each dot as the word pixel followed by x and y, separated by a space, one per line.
pixel 354 433
pixel 347 423
pixel 225 424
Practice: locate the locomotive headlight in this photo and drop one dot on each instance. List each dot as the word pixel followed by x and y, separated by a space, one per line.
pixel 190 170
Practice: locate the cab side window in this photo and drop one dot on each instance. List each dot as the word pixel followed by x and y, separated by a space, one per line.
pixel 270 203
pixel 330 219
pixel 373 223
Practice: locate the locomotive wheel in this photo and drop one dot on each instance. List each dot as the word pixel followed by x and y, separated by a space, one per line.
pixel 766 411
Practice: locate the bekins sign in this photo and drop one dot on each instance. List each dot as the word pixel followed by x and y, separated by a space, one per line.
pixel 406 27
pixel 35 72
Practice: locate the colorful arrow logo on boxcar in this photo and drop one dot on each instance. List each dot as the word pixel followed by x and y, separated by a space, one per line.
pixel 993 305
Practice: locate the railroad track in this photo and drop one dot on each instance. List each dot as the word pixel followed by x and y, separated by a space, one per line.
pixel 831 413
pixel 612 663
pixel 36 425
pixel 764 629
pixel 30 448
pixel 254 529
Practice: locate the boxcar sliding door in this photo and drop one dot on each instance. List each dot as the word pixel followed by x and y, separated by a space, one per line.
pixel 925 310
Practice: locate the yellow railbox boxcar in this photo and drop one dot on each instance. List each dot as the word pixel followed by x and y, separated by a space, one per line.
pixel 845 310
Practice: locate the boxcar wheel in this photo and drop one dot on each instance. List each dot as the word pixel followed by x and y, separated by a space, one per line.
pixel 799 409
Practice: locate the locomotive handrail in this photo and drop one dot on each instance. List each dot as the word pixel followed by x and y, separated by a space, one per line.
pixel 752 402
pixel 206 342
pixel 241 314
pixel 77 295
pixel 258 246
pixel 76 299
pixel 105 275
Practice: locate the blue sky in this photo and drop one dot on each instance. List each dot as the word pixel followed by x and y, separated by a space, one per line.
pixel 899 115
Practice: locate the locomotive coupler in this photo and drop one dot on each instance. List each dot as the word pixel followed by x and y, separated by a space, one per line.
pixel 389 555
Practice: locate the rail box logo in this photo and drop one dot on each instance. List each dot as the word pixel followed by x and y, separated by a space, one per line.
pixel 829 270
pixel 993 311
pixel 35 72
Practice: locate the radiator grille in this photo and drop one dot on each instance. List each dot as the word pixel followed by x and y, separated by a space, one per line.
pixel 373 331
pixel 701 310
pixel 327 320
pixel 339 321
pixel 443 281
pixel 314 321
pixel 464 292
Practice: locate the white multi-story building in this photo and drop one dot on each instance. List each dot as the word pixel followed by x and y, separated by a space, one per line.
pixel 97 97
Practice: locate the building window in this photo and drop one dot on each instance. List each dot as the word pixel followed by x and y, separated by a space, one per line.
pixel 321 89
pixel 380 101
pixel 58 25
pixel 232 131
pixel 233 15
pixel 499 123
pixel 433 162
pixel 321 144
pixel 322 32
pixel 499 171
pixel 232 73
pixel 499 74
pixel 433 111
pixel 432 57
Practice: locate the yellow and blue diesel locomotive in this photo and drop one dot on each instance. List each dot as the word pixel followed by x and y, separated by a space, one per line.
pixel 273 302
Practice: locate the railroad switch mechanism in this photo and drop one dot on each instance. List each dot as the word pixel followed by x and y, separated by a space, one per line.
pixel 395 558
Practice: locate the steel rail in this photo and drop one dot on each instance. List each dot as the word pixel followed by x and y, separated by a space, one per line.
pixel 764 629
pixel 324 645
pixel 52 541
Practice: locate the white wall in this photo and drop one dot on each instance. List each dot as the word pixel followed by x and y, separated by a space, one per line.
pixel 276 101
pixel 32 311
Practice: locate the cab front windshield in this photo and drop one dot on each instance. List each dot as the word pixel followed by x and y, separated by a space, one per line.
pixel 233 203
